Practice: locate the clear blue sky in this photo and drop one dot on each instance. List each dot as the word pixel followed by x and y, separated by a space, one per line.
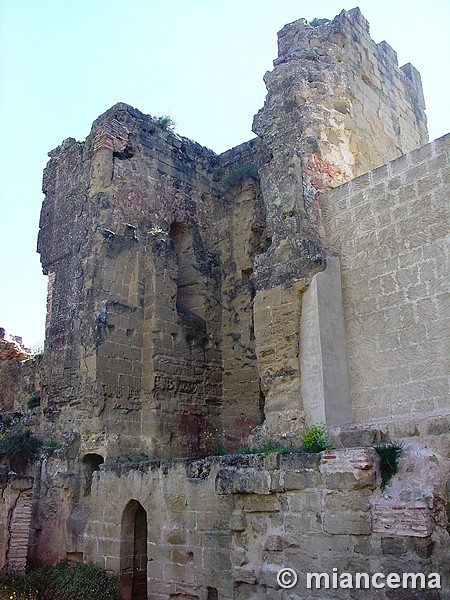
pixel 64 62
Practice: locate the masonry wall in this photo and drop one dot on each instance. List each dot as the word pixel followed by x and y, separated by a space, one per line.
pixel 176 326
pixel 19 382
pixel 175 296
pixel 343 96
pixel 222 527
pixel 388 228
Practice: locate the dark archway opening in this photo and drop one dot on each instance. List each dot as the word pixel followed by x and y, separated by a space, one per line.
pixel 91 463
pixel 133 552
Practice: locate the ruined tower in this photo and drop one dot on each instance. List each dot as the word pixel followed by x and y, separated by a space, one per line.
pixel 199 303
pixel 164 259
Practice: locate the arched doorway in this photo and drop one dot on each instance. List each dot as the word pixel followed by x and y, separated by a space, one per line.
pixel 133 552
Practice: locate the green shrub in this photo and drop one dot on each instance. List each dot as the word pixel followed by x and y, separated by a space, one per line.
pixel 164 121
pixel 264 245
pixel 61 582
pixel 52 445
pixel 34 401
pixel 5 423
pixel 20 447
pixel 315 438
pixel 17 586
pixel 273 446
pixel 214 442
pixel 389 455
pixel 238 175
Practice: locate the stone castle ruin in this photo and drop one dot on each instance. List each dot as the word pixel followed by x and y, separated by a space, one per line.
pixel 199 303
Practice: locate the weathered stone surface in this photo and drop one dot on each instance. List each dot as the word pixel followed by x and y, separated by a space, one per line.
pixel 20 374
pixel 402 520
pixel 347 523
pixel 15 516
pixel 242 481
pixel 11 348
pixel 195 307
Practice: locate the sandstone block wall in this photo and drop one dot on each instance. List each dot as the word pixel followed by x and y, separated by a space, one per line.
pixel 223 527
pixel 190 301
pixel 19 374
pixel 20 381
pixel 175 296
pixel 356 108
pixel 389 229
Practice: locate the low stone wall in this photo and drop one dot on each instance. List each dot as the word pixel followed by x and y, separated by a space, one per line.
pixel 223 527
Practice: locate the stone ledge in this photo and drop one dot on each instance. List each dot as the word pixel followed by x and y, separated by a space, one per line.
pixel 242 481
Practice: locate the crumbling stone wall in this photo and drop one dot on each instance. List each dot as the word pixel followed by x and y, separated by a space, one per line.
pixel 179 284
pixel 19 374
pixel 137 334
pixel 20 381
pixel 330 88
pixel 242 237
pixel 388 227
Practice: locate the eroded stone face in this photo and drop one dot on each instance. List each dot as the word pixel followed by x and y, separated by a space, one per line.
pixel 331 87
pixel 337 106
pixel 151 289
pixel 19 374
pixel 194 307
pixel 12 349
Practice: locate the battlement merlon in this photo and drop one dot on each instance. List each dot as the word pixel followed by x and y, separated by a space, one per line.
pixel 335 92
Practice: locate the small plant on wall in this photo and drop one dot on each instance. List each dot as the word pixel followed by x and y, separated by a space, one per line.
pixel 165 121
pixel 389 455
pixel 238 175
pixel 315 438
pixel 214 443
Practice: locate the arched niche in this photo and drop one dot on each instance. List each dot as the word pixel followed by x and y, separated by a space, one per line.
pixel 188 275
pixel 91 463
pixel 190 300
